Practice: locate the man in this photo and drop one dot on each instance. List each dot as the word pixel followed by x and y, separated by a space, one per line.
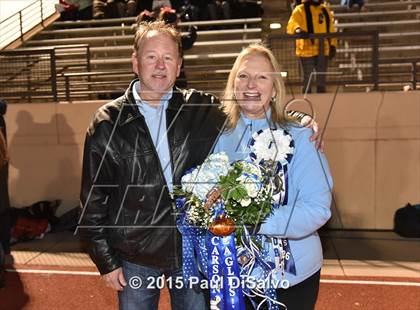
pixel 313 17
pixel 136 148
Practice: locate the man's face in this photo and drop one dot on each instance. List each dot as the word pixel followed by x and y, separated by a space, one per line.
pixel 157 63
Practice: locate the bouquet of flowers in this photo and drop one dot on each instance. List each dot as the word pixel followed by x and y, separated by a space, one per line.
pixel 219 198
pixel 247 188
pixel 242 186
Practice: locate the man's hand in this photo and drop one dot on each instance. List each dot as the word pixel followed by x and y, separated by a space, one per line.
pixel 308 122
pixel 115 279
pixel 302 33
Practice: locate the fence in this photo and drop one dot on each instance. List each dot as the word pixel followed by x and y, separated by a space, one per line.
pixel 64 72
pixel 356 61
pixel 36 73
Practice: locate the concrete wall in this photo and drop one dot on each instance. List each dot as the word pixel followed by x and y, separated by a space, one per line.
pixel 372 144
pixel 46 146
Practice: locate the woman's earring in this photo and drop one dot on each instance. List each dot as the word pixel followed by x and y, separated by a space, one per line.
pixel 273 99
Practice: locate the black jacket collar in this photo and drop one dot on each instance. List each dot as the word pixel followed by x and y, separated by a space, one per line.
pixel 130 111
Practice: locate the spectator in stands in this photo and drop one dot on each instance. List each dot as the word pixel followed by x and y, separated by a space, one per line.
pixel 114 8
pixel 75 9
pixel 125 8
pixel 188 11
pixel 219 9
pixel 313 17
pixel 84 9
pixel 67 10
pixel 100 9
pixel 156 5
pixel 198 9
pixel 350 3
pixel 5 222
pixel 246 9
pixel 169 16
pixel 144 17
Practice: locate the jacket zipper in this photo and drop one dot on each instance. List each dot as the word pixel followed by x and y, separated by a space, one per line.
pixel 171 146
pixel 162 176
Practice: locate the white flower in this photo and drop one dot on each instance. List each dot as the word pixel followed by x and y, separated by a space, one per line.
pixel 245 202
pixel 188 181
pixel 251 183
pixel 272 145
pixel 251 168
pixel 202 179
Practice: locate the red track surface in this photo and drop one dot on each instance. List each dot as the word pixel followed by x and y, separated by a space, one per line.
pixel 37 291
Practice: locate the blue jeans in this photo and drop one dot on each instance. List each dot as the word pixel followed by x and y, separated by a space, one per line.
pixel 143 289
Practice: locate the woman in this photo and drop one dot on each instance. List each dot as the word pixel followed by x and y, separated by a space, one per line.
pixel 253 101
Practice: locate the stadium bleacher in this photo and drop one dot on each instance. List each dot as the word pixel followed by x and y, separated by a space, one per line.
pixel 398 24
pixel 107 46
pixel 110 42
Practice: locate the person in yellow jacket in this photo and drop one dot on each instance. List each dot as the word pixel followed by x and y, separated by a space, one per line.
pixel 320 21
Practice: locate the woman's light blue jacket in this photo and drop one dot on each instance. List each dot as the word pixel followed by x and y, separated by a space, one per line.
pixel 309 195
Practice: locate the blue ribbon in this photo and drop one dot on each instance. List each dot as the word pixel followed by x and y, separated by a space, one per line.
pixel 223 273
pixel 289 263
pixel 266 269
pixel 194 252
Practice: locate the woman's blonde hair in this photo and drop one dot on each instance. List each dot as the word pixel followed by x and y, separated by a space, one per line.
pixel 229 104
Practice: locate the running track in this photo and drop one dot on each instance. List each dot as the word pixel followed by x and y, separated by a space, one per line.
pixel 42 287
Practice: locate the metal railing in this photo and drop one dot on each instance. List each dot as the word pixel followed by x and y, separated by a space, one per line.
pixel 356 60
pixel 406 67
pixel 27 74
pixel 73 89
pixel 36 73
pixel 64 72
pixel 15 26
pixel 131 20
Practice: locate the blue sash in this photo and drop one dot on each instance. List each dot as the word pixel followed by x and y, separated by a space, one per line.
pixel 223 274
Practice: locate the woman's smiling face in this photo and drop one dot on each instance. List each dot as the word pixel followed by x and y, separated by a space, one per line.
pixel 254 85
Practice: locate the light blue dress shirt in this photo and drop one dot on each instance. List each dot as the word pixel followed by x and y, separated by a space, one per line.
pixel 155 118
pixel 309 195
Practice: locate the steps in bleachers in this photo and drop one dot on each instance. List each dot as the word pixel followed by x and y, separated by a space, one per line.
pixel 111 41
pixel 379 6
pixel 398 24
pixel 208 63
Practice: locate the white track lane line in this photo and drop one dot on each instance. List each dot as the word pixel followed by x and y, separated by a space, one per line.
pixel 334 281
pixel 367 282
pixel 40 271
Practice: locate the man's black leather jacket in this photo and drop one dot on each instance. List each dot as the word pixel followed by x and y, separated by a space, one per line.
pixel 127 211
